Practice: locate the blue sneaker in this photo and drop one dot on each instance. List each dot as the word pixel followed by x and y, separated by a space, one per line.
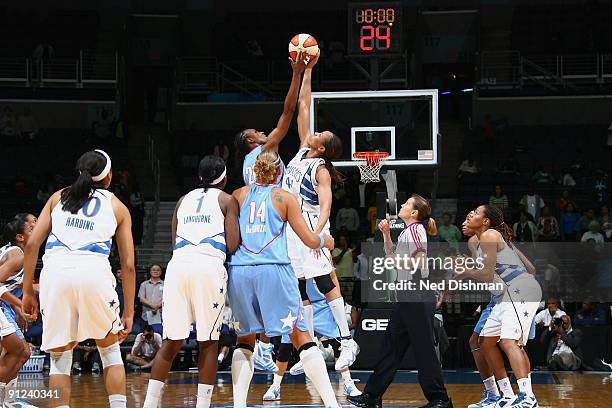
pixel 262 357
pixel 488 400
pixel 273 393
pixel 524 401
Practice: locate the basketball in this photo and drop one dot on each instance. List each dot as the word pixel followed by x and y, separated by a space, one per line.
pixel 302 43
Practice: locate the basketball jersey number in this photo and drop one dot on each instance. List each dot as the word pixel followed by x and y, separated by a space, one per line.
pixel 91 212
pixel 200 202
pixel 250 175
pixel 260 213
pixel 288 182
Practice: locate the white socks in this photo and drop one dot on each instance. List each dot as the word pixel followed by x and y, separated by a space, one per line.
pixel 204 395
pixel 346 375
pixel 153 394
pixel 117 401
pixel 308 314
pixel 490 385
pixel 277 380
pixel 242 372
pixel 337 308
pixel 505 387
pixel 525 386
pixel 315 369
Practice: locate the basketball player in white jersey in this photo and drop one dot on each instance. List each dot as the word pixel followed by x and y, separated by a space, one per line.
pixel 511 318
pixel 77 287
pixel 308 176
pixel 16 232
pixel 204 229
pixel 250 142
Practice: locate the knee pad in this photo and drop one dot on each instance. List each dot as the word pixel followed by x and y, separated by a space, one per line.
pixel 110 355
pixel 245 346
pixel 284 353
pixel 61 362
pixel 325 284
pixel 303 293
pixel 306 346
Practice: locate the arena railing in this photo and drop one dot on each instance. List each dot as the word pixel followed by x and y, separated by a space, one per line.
pixel 15 69
pixel 606 66
pixel 98 68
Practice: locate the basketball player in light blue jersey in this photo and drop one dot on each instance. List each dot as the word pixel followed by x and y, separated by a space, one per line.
pixel 263 291
pixel 204 230
pixel 308 177
pixel 327 331
pixel 77 287
pixel 250 142
pixel 511 318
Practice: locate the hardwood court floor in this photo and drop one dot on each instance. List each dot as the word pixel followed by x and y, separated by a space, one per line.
pixel 571 390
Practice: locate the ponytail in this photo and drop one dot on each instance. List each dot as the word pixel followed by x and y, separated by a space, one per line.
pixel 431 227
pixel 333 172
pixel 90 165
pixel 333 150
pixel 496 218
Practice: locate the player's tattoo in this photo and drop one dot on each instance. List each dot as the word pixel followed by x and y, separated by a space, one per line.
pixel 278 197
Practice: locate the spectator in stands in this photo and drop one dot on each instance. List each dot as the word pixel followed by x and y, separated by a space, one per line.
pixel 545 317
pixel 137 211
pixel 342 256
pixel 584 222
pixel 150 294
pixel 347 218
pixel 542 176
pixel 119 289
pixel 86 356
pixel 509 167
pixel 567 223
pixel 591 314
pixel 467 169
pixel 26 125
pixel 606 223
pixel 448 232
pixel 8 125
pixel 524 229
pixel 372 213
pixel 600 188
pixel 564 200
pixel 103 126
pixel 499 199
pixel 222 150
pixel 593 233
pixel 548 227
pixel 533 203
pixel 564 351
pixel 568 179
pixel 145 347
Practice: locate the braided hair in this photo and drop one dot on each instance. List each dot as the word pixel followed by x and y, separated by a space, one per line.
pixel 496 217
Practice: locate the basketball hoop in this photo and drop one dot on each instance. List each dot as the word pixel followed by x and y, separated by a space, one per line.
pixel 369 164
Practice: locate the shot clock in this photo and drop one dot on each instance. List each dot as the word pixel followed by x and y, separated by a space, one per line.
pixel 375 28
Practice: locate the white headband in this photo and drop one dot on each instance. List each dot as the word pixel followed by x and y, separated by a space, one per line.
pixel 106 169
pixel 220 178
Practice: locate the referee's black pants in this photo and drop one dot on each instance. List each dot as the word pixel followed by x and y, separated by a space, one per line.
pixel 410 323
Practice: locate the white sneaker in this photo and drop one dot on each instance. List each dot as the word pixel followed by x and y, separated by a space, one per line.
pixel 505 402
pixel 348 353
pixel 350 390
pixel 488 401
pixel 95 368
pixel 297 368
pixel 273 393
pixel 524 401
pixel 262 357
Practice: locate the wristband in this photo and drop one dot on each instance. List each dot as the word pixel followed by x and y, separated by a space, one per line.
pixel 321 241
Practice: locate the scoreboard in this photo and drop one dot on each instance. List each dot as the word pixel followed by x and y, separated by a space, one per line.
pixel 375 28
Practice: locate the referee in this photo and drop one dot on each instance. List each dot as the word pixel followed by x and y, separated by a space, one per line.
pixel 411 320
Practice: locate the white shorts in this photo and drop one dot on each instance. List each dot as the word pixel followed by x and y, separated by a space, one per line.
pixel 512 316
pixel 303 260
pixel 6 327
pixel 194 291
pixel 77 301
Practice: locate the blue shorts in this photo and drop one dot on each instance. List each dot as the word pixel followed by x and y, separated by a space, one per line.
pixel 323 321
pixel 10 315
pixel 265 298
pixel 484 315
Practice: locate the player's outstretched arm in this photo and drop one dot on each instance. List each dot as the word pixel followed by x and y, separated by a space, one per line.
pixel 39 235
pixel 293 214
pixel 125 245
pixel 284 122
pixel 303 119
pixel 231 210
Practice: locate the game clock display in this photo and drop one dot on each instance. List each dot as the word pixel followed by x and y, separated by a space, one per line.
pixel 375 28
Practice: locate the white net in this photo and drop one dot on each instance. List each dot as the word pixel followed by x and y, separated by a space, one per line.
pixel 369 166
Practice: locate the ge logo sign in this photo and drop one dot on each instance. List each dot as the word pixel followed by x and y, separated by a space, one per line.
pixel 374 324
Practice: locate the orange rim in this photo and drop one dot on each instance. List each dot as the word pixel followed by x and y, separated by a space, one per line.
pixel 371 157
